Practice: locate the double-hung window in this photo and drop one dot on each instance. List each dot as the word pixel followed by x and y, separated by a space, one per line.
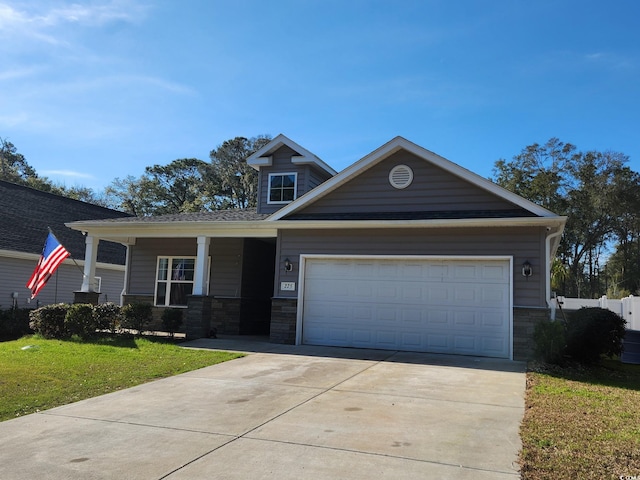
pixel 174 280
pixel 282 187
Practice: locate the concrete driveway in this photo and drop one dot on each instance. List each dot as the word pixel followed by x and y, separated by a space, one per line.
pixel 286 412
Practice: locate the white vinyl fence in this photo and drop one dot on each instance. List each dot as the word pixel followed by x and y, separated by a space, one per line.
pixel 628 307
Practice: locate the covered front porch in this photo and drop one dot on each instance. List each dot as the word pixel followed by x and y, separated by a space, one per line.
pixel 220 273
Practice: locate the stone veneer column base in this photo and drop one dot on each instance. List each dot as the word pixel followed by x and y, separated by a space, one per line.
pixel 284 313
pixel 524 323
pixel 86 297
pixel 225 315
pixel 198 322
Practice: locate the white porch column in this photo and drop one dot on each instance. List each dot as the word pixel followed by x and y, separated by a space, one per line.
pixel 90 256
pixel 202 260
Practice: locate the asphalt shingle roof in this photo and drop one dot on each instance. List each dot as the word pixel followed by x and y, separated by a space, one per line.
pixel 25 214
pixel 422 215
pixel 231 215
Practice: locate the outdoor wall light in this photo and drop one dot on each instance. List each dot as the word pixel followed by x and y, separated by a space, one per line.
pixel 288 266
pixel 526 269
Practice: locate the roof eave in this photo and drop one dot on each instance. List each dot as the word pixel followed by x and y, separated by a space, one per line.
pixel 127 232
pixel 551 222
pixel 124 232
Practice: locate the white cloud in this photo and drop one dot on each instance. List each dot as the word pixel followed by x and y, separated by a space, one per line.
pixel 67 174
pixel 16 73
pixel 43 23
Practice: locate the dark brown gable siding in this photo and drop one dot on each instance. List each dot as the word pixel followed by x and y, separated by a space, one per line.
pixel 433 189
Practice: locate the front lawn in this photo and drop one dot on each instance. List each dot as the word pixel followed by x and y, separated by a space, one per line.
pixel 37 374
pixel 581 423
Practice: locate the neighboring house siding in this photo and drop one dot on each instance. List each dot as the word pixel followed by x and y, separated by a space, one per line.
pixel 226 263
pixel 67 279
pixel 521 243
pixel 432 189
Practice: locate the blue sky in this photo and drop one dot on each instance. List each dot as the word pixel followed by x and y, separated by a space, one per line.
pixel 94 90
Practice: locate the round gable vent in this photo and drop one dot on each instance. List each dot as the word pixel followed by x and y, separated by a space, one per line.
pixel 400 176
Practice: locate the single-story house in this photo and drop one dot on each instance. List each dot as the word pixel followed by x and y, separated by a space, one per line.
pixel 26 214
pixel 403 250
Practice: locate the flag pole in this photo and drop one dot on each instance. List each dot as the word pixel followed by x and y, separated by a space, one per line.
pixel 70 256
pixel 55 293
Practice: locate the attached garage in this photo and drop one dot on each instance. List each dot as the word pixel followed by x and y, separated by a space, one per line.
pixel 458 305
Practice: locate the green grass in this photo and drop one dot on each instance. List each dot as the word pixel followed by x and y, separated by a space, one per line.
pixel 581 422
pixel 38 374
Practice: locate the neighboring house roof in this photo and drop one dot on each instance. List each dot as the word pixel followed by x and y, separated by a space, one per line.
pixel 27 213
pixel 263 156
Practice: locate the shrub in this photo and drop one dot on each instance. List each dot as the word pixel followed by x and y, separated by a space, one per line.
pixel 108 316
pixel 80 320
pixel 136 316
pixel 48 321
pixel 14 323
pixel 172 320
pixel 593 332
pixel 550 341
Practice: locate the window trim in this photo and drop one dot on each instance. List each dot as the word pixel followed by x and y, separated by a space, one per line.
pixel 295 187
pixel 169 280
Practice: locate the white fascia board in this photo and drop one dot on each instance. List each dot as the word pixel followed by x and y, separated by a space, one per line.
pixel 261 162
pixel 68 261
pixel 389 148
pixel 262 157
pixel 269 229
pixel 126 233
pixel 556 222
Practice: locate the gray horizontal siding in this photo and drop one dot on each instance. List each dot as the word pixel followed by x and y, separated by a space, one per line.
pixel 226 267
pixel 282 164
pixel 226 263
pixel 522 243
pixel 316 177
pixel 432 189
pixel 144 258
pixel 59 289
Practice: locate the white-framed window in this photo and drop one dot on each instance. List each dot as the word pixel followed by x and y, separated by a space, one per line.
pixel 174 280
pixel 282 187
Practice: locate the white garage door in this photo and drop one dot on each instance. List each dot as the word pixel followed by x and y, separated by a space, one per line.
pixel 426 305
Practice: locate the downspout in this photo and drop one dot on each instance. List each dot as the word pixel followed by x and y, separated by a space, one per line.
pixel 547 253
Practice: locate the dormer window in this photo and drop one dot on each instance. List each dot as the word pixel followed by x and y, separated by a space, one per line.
pixel 282 187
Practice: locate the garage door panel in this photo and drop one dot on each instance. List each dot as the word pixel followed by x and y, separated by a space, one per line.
pixel 444 306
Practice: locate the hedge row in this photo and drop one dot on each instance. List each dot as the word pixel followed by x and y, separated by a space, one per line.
pixel 585 336
pixel 62 320
pixel 14 323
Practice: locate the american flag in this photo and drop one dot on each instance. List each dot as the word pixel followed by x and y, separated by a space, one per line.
pixel 53 254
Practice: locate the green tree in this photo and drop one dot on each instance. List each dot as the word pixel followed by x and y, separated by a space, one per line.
pixel 13 166
pixel 593 189
pixel 177 187
pixel 129 194
pixel 230 180
pixel 163 189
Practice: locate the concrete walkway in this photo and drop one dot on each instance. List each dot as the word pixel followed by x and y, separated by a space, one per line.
pixel 286 412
